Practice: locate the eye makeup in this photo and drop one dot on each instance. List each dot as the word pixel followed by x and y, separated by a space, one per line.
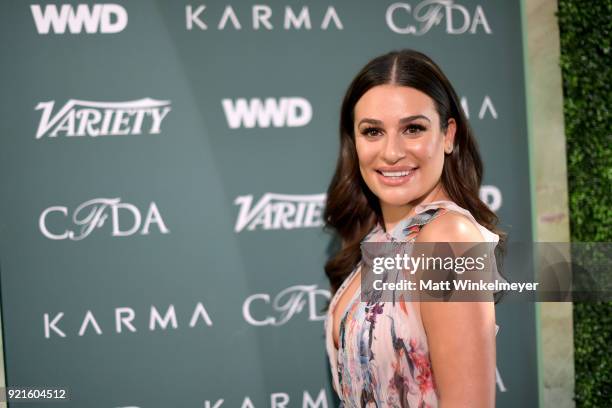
pixel 373 131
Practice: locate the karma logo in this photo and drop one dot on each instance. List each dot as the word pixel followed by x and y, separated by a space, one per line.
pixel 264 18
pixel 158 319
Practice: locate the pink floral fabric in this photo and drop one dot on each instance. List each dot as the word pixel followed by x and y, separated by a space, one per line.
pixel 383 358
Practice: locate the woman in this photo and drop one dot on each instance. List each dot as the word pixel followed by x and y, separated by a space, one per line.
pixel 408 170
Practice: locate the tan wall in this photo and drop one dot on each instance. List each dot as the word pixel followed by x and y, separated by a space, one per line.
pixel 547 144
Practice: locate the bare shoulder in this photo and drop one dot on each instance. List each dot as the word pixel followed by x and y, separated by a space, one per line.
pixel 460 335
pixel 450 227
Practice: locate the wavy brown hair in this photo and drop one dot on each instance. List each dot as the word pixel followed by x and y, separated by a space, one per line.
pixel 352 210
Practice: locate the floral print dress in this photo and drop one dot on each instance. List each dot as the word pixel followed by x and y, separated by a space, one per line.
pixel 383 356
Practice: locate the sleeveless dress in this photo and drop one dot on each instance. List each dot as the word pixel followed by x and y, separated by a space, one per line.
pixel 383 355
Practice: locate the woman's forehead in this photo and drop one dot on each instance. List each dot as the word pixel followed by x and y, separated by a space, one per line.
pixel 392 102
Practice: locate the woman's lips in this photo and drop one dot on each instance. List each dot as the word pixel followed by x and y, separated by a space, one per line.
pixel 396 177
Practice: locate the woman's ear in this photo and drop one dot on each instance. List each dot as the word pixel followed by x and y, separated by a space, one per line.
pixel 449 136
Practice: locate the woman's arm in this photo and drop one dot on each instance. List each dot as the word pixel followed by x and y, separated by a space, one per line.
pixel 461 335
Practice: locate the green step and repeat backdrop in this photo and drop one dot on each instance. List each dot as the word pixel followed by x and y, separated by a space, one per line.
pixel 163 166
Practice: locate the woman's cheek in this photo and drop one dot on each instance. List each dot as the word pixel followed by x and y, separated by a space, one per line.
pixel 365 155
pixel 428 150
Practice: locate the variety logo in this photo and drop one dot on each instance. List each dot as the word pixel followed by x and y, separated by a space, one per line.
pixel 430 13
pixel 100 18
pixel 93 214
pixel 285 305
pixel 283 112
pixel 280 211
pixel 284 211
pixel 260 18
pixel 124 321
pixel 87 118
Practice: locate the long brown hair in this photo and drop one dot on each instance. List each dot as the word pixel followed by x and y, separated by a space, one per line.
pixel 352 210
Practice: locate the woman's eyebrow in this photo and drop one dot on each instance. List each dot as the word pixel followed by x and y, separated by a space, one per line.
pixel 401 122
pixel 413 117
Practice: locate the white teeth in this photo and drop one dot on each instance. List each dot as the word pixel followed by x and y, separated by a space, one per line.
pixel 396 173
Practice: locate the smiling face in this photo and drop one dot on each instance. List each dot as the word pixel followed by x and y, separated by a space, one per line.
pixel 401 147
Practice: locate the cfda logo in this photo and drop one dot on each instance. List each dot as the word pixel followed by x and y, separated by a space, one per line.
pixel 459 19
pixel 284 306
pixel 93 214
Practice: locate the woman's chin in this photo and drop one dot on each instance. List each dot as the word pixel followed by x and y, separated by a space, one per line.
pixel 396 200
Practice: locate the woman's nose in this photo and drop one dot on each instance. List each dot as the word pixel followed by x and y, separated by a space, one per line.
pixel 393 150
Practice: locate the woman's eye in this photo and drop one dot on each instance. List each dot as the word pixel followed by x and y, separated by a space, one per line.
pixel 415 129
pixel 370 132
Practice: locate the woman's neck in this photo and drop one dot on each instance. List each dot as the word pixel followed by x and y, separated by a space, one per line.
pixel 393 214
